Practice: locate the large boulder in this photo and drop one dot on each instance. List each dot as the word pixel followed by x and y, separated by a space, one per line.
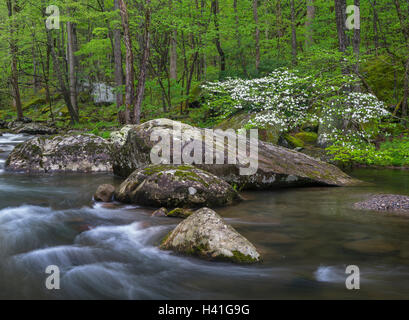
pixel 277 166
pixel 206 235
pixel 32 128
pixel 66 153
pixel 175 186
pixel 3 124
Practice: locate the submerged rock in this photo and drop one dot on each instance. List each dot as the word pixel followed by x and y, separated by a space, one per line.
pixel 371 246
pixel 175 186
pixel 104 193
pixel 66 153
pixel 206 235
pixel 277 166
pixel 385 202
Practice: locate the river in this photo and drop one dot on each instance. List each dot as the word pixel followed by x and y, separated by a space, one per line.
pixel 110 251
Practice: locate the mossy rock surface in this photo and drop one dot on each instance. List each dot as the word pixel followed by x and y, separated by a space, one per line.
pixel 175 187
pixel 206 235
pixel 61 153
pixel 307 137
pixel 271 166
pixel 293 141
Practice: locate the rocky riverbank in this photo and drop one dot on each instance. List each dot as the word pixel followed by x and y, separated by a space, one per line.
pixel 385 202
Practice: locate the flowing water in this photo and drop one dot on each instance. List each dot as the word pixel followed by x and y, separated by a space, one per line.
pixel 110 252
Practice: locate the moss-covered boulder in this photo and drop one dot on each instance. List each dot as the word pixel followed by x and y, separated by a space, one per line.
pixel 205 234
pixel 175 187
pixel 66 153
pixel 293 142
pixel 276 166
pixel 268 133
pixel 307 137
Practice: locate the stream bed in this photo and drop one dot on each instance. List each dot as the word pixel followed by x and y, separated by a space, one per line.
pixel 307 237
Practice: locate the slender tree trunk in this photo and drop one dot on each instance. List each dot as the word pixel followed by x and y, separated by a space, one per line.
pixel 129 61
pixel 257 34
pixel 215 11
pixel 144 65
pixel 309 33
pixel 173 55
pixel 279 26
pixel 241 56
pixel 72 66
pixel 340 14
pixel 12 9
pixel 293 34
pixel 405 103
pixel 119 73
pixel 173 52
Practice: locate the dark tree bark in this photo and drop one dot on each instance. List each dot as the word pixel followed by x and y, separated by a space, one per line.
pixel 215 11
pixel 309 33
pixel 340 15
pixel 129 61
pixel 293 34
pixel 257 33
pixel 119 73
pixel 144 65
pixel 12 6
pixel 72 66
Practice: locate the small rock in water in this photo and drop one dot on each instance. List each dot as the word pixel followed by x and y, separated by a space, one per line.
pixel 180 213
pixel 105 193
pixel 205 234
pixel 162 212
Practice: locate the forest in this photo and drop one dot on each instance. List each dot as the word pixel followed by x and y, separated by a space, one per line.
pixel 150 59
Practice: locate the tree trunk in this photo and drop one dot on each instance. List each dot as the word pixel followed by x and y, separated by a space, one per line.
pixel 293 34
pixel 12 6
pixel 215 11
pixel 257 34
pixel 340 15
pixel 241 56
pixel 119 73
pixel 144 65
pixel 129 60
pixel 72 66
pixel 309 33
pixel 173 55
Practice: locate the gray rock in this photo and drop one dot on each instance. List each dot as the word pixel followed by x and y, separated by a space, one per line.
pixel 66 153
pixel 206 235
pixel 162 212
pixel 32 128
pixel 175 186
pixel 104 193
pixel 277 166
